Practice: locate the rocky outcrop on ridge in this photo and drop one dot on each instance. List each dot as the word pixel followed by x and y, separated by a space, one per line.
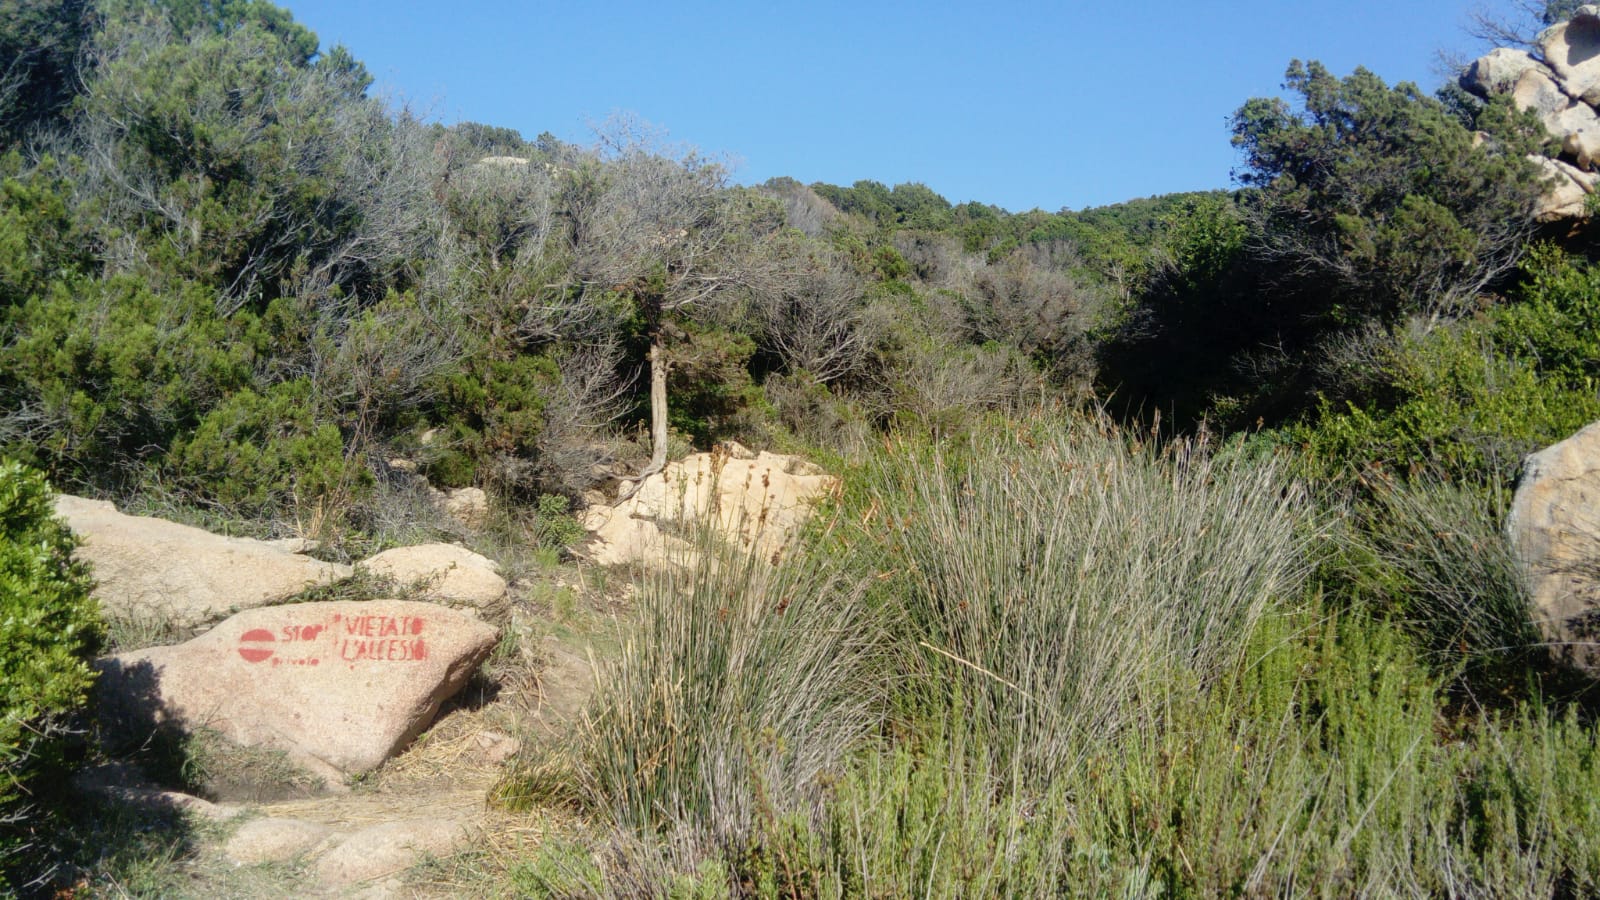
pixel 1560 81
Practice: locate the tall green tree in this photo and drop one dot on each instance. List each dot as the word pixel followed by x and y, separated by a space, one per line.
pixel 1365 206
pixel 1375 201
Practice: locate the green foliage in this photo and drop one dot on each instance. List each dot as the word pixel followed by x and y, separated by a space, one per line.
pixel 712 394
pixel 1378 200
pixel 1467 401
pixel 1176 349
pixel 103 373
pixel 1433 555
pixel 108 372
pixel 492 410
pixel 1318 765
pixel 224 18
pixel 1558 11
pixel 1202 238
pixel 49 630
pixel 1049 569
pixel 38 238
pixel 738 690
pixel 234 136
pixel 1072 708
pixel 1366 205
pixel 39 41
pixel 261 454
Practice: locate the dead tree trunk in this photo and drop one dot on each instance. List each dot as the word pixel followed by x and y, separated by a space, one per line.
pixel 658 411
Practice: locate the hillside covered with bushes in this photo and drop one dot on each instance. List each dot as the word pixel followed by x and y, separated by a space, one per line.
pixel 1168 557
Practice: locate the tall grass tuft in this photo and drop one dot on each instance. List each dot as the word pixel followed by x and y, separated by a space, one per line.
pixel 1433 553
pixel 1053 571
pixel 738 695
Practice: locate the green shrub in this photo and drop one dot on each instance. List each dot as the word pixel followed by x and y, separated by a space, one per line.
pixel 103 374
pixel 710 392
pixel 1470 405
pixel 492 411
pixel 1046 572
pixel 1468 400
pixel 49 629
pixel 1321 764
pixel 267 454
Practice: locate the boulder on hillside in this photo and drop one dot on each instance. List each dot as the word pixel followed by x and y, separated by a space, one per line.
pixel 1554 529
pixel 468 506
pixel 1568 190
pixel 756 500
pixel 1580 134
pixel 151 568
pixel 339 686
pixel 1536 90
pixel 1572 49
pixel 453 575
pixel 1497 71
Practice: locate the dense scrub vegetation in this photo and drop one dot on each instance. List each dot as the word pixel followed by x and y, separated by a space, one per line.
pixel 49 628
pixel 1168 558
pixel 1078 664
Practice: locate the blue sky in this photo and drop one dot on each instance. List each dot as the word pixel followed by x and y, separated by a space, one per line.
pixel 1023 105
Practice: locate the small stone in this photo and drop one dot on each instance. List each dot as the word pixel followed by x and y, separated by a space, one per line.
pixel 295 545
pixel 469 506
pixel 495 748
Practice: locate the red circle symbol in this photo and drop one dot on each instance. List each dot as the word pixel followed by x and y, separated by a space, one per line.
pixel 251 645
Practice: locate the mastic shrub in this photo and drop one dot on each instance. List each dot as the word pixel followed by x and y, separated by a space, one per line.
pixel 491 412
pixel 264 453
pixel 49 628
pixel 1471 398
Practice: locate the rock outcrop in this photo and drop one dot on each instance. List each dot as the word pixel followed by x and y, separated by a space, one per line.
pixel 1498 71
pixel 447 573
pixel 1560 82
pixel 1554 529
pixel 151 568
pixel 339 686
pixel 1572 49
pixel 274 840
pixel 1567 190
pixel 756 500
pixel 388 849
